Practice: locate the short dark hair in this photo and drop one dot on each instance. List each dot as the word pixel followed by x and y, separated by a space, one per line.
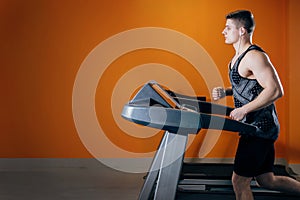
pixel 245 18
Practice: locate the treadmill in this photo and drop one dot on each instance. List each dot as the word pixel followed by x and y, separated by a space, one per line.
pixel 179 115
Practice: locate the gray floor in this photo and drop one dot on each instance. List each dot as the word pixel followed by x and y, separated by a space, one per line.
pixel 78 179
pixel 70 182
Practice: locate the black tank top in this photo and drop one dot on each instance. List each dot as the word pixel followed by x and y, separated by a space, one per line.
pixel 246 90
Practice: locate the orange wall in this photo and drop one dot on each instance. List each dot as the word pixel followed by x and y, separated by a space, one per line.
pixel 45 42
pixel 293 127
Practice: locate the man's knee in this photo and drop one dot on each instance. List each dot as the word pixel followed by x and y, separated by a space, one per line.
pixel 266 180
pixel 240 183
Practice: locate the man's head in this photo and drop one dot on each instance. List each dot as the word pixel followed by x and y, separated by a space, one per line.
pixel 243 19
pixel 239 25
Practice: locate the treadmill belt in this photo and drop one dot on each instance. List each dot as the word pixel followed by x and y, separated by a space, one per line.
pixel 217 171
pixel 222 196
pixel 221 173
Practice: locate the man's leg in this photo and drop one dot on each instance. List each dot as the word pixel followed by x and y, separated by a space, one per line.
pixel 241 186
pixel 279 183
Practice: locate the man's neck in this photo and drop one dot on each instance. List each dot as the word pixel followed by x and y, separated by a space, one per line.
pixel 241 46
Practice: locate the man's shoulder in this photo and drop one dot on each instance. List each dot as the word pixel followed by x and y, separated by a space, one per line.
pixel 256 60
pixel 256 54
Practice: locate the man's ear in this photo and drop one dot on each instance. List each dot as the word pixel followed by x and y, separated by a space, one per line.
pixel 242 31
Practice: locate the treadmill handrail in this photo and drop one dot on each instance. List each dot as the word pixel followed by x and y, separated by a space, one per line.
pixel 175 120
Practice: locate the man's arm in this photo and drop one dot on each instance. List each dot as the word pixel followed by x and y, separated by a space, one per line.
pixel 262 70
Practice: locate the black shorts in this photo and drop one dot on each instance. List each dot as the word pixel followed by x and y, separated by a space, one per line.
pixel 254 156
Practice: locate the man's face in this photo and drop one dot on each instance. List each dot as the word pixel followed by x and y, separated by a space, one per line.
pixel 230 32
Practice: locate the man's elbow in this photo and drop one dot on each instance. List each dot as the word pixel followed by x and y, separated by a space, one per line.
pixel 279 92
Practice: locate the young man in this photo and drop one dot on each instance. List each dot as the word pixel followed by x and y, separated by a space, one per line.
pixel 255 88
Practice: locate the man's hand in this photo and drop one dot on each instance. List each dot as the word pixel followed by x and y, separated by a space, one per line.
pixel 218 93
pixel 238 114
